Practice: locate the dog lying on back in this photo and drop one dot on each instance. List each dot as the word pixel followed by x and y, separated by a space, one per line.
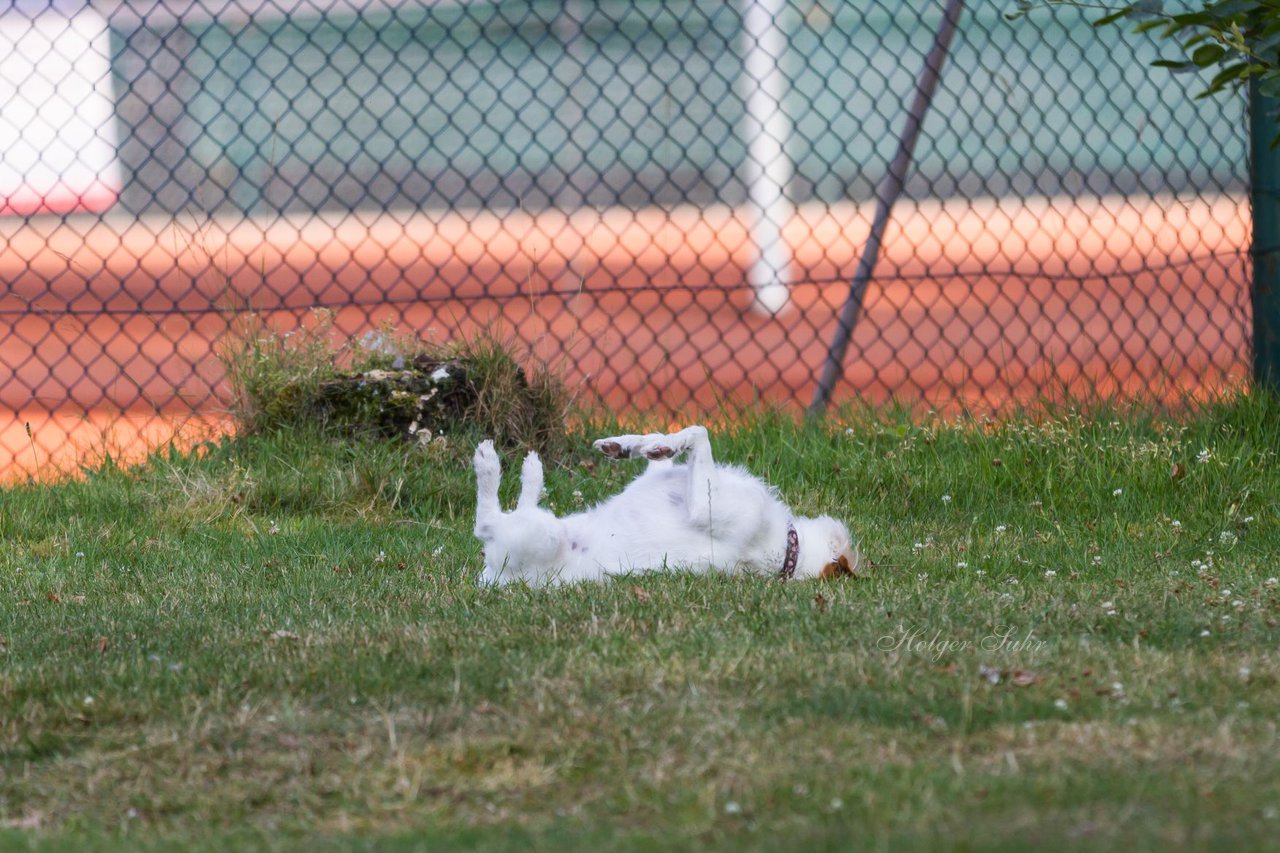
pixel 698 516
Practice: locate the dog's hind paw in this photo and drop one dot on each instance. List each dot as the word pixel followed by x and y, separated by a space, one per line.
pixel 486 459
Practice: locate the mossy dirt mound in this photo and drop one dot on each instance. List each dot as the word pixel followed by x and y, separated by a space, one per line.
pixel 392 386
pixel 423 398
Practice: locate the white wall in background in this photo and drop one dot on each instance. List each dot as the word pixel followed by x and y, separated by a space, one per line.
pixel 57 130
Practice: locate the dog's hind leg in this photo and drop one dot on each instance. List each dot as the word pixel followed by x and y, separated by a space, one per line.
pixel 488 475
pixel 523 544
pixel 530 482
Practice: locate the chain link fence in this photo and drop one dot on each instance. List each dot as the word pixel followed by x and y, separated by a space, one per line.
pixel 666 199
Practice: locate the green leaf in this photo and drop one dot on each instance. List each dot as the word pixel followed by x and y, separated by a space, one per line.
pixel 1153 24
pixel 1227 75
pixel 1112 18
pixel 1208 54
pixel 1232 8
pixel 1171 63
pixel 1269 86
pixel 1193 19
pixel 1267 46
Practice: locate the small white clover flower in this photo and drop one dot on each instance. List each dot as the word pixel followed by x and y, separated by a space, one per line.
pixel 1271 583
pixel 1204 456
pixel 1060 704
pixel 923 576
pixel 88 700
pixel 1109 607
pixel 273 529
pixel 1117 493
pixel 1175 524
pixel 946 499
pixel 963 565
pixel 381 558
pixel 836 804
pixel 1227 538
pixel 1050 574
pixel 1097 560
pixel 732 807
pixel 1000 528
pixel 1244 673
pixel 1204 632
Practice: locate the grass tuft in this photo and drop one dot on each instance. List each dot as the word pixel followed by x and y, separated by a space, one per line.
pixel 515 406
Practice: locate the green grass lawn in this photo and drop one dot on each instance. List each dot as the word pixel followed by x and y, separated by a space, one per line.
pixel 1069 639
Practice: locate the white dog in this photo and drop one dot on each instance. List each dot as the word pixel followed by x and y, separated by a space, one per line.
pixel 699 516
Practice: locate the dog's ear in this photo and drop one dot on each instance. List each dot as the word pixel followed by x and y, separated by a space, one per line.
pixel 840 567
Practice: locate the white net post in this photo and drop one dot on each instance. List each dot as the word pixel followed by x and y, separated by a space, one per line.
pixel 768 171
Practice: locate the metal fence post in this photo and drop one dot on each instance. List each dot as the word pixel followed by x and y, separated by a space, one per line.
pixel 887 193
pixel 1264 190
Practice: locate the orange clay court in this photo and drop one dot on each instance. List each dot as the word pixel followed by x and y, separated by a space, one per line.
pixel 107 322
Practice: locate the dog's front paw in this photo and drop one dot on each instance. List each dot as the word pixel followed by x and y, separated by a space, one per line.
pixel 657 450
pixel 611 447
pixel 652 446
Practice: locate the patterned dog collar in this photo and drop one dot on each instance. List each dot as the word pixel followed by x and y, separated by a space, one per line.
pixel 793 554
